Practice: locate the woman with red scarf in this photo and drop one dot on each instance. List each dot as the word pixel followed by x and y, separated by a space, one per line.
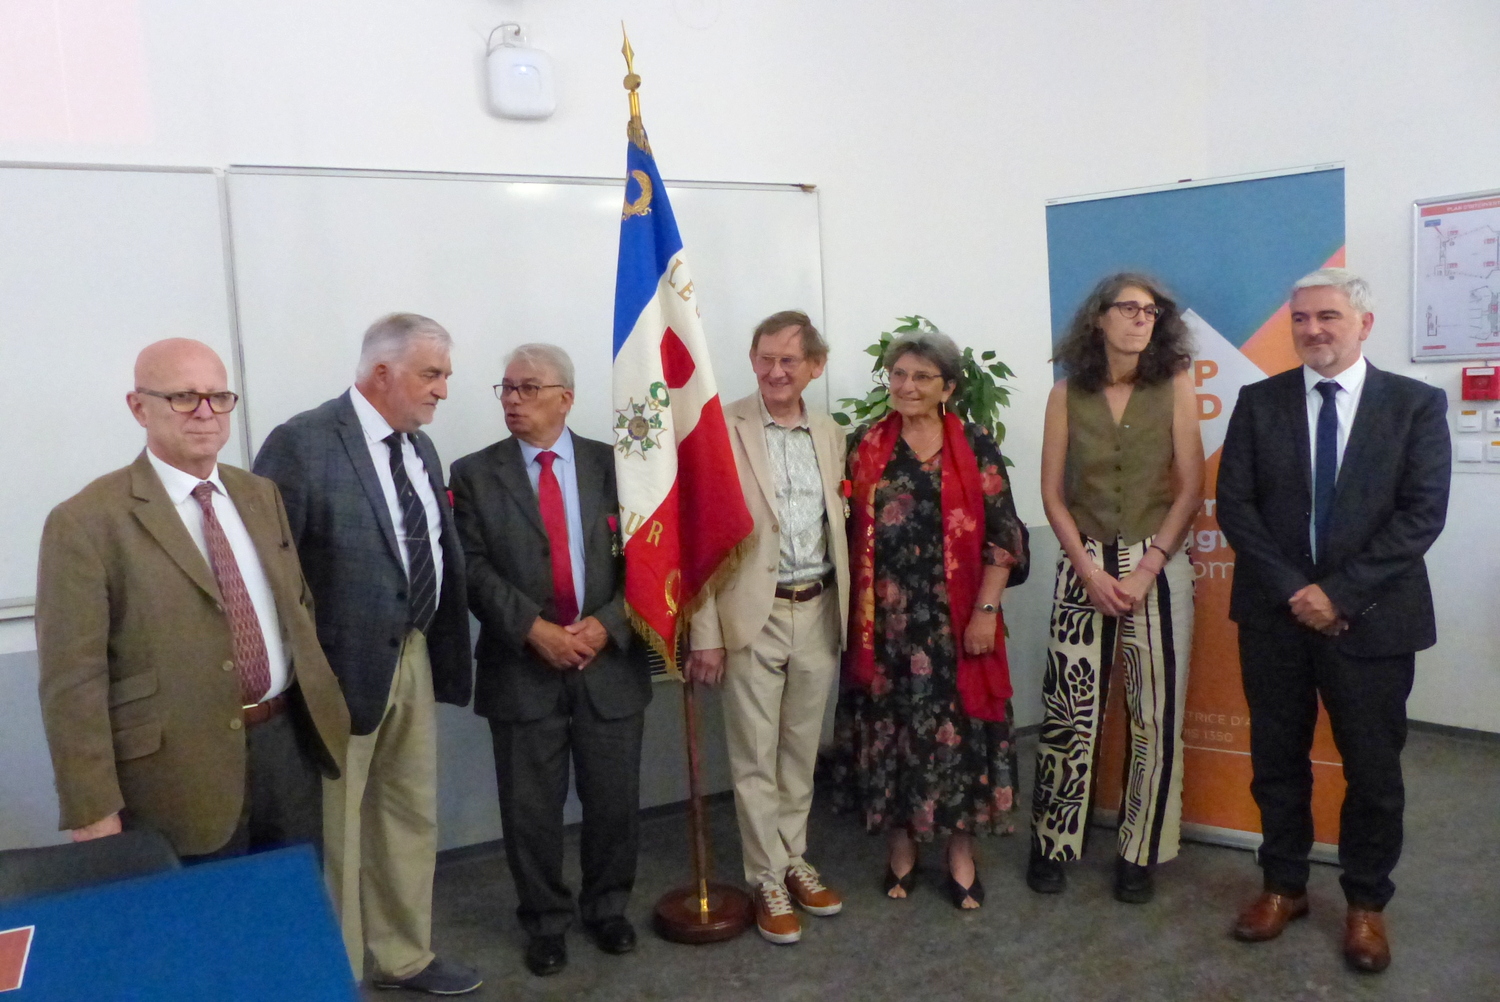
pixel 924 722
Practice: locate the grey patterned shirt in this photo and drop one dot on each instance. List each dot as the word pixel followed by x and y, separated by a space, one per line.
pixel 799 502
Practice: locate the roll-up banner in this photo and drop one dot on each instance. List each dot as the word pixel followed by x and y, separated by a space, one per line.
pixel 1228 250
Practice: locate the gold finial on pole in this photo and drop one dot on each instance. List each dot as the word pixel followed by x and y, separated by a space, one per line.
pixel 635 130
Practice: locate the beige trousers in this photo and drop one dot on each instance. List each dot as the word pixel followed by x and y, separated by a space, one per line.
pixel 380 827
pixel 774 694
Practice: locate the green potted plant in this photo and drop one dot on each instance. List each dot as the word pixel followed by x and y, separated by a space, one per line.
pixel 981 392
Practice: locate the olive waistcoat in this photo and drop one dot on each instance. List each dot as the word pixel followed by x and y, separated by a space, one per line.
pixel 1117 480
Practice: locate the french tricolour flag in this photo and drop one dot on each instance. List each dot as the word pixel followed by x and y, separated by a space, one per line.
pixel 682 511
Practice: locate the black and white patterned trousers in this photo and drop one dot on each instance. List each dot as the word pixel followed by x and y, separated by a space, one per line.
pixel 1154 645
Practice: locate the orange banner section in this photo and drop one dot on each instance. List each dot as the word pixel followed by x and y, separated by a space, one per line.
pixel 1216 728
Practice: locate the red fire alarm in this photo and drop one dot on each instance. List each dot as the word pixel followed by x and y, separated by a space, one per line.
pixel 1481 383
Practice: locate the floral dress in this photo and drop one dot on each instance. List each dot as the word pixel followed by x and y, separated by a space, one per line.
pixel 907 754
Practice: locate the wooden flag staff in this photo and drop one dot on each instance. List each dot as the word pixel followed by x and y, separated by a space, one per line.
pixel 704 911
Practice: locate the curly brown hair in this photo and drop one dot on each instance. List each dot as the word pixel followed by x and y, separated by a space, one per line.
pixel 1081 355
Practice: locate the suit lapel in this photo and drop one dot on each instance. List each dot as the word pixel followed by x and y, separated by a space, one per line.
pixel 1296 404
pixel 1367 415
pixel 511 469
pixel 590 478
pixel 752 432
pixel 159 517
pixel 265 534
pixel 825 448
pixel 352 433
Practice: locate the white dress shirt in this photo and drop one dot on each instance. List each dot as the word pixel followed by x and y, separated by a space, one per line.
pixel 565 468
pixel 1351 385
pixel 179 486
pixel 376 430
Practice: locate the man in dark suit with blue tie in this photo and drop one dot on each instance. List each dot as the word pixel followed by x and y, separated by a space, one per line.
pixel 374 528
pixel 559 673
pixel 1333 483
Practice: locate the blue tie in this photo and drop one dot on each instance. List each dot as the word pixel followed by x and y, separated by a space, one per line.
pixel 1325 467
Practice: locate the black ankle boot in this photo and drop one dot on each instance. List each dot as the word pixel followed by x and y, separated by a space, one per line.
pixel 1043 875
pixel 1132 882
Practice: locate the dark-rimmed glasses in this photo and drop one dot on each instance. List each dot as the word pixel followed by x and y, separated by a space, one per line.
pixel 1129 309
pixel 526 391
pixel 187 401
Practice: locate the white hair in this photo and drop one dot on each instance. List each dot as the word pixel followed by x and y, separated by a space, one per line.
pixel 548 355
pixel 1356 288
pixel 392 336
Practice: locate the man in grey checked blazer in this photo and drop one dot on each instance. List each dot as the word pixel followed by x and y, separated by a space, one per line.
pixel 374 528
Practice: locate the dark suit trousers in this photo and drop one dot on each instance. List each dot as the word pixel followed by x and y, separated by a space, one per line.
pixel 283 792
pixel 531 766
pixel 1285 670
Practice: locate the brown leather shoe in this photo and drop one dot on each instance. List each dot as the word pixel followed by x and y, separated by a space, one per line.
pixel 808 890
pixel 1268 915
pixel 1365 946
pixel 774 917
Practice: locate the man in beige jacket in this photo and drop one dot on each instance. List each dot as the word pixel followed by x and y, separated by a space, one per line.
pixel 182 684
pixel 773 631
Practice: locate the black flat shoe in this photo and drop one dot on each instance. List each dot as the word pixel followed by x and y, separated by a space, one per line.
pixel 546 955
pixel 958 893
pixel 613 935
pixel 1133 883
pixel 907 881
pixel 1044 875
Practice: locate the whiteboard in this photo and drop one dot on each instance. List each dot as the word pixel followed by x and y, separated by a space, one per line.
pixel 499 261
pixel 95 264
pixel 1455 301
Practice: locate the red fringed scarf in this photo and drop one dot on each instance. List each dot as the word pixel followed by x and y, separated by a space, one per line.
pixel 983 681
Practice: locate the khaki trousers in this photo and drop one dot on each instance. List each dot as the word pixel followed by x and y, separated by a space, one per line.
pixel 775 691
pixel 380 827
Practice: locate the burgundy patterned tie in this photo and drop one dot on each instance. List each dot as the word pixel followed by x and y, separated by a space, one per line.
pixel 248 642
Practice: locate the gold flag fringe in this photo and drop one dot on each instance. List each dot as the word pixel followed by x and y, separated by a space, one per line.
pixel 657 642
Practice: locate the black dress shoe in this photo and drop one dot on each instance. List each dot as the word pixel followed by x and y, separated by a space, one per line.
pixel 1132 882
pixel 546 955
pixel 614 934
pixel 1043 874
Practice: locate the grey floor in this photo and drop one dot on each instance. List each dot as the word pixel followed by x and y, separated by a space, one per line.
pixel 1082 945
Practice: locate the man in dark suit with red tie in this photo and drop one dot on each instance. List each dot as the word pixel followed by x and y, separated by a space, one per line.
pixel 558 673
pixel 1333 483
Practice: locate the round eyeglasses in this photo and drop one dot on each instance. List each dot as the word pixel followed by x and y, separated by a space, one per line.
pixel 1130 309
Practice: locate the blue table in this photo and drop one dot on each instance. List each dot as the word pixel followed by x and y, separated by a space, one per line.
pixel 258 927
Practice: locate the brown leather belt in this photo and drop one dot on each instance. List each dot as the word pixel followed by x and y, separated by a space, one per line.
pixel 805 592
pixel 261 712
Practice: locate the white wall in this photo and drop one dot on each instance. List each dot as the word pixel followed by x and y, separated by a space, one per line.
pixel 935 131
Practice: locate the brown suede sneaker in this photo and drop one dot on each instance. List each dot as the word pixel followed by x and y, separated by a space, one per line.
pixel 806 888
pixel 773 914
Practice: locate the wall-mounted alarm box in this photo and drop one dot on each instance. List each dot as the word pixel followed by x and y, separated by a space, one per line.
pixel 1481 382
pixel 520 78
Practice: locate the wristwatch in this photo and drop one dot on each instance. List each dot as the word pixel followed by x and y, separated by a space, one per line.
pixel 987 607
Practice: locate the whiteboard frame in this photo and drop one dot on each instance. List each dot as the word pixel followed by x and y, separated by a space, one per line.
pixel 1416 237
pixel 24 607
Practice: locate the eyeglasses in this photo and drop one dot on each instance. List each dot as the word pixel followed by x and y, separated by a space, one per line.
pixel 1129 309
pixel 526 391
pixel 767 363
pixel 187 401
pixel 921 379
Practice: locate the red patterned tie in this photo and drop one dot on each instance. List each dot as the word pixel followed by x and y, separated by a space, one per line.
pixel 555 518
pixel 248 643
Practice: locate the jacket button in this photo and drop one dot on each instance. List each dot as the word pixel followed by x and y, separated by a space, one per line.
pixel 236 724
pixel 395 642
pixel 775 527
pixel 228 666
pixel 401 595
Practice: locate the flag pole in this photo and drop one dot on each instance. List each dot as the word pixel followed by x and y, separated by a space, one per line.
pixel 704 911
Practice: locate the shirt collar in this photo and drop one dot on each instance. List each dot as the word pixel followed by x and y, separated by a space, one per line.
pixel 563 447
pixel 1351 379
pixel 376 428
pixel 767 419
pixel 180 483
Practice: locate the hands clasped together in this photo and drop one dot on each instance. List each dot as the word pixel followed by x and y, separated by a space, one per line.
pixel 571 647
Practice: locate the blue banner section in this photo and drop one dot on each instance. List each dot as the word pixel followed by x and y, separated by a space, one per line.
pixel 648 240
pixel 1228 251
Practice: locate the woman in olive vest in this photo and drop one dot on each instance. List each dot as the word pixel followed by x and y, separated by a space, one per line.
pixel 1122 478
